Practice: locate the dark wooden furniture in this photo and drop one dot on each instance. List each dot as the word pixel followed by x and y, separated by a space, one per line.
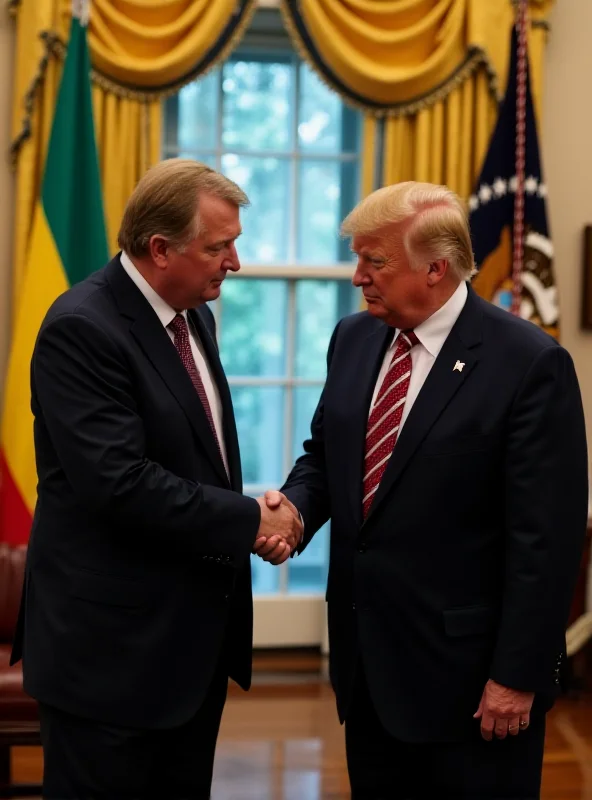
pixel 19 723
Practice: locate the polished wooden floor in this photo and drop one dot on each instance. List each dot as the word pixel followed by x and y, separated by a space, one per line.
pixel 282 740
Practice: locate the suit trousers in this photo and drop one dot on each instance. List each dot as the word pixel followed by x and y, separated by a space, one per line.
pixel 384 768
pixel 88 760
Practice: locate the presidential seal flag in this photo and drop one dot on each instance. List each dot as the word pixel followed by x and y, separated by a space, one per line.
pixel 492 214
pixel 68 242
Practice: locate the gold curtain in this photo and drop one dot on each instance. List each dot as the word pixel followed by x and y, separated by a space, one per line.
pixel 369 154
pixel 128 142
pixel 393 53
pixel 141 50
pixel 434 70
pixel 444 142
pixel 155 43
pixel 389 51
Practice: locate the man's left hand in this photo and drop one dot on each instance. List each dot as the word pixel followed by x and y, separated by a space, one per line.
pixel 503 711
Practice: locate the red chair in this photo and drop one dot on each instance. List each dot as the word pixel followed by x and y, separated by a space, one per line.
pixel 19 721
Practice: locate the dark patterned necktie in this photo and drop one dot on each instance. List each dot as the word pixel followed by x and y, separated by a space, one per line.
pixel 183 345
pixel 385 418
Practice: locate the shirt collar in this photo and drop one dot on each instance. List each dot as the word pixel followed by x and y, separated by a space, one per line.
pixel 162 309
pixel 433 332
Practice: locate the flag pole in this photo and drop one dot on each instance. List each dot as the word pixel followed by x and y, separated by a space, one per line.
pixel 518 256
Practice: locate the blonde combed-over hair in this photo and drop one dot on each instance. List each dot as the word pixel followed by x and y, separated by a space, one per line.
pixel 431 219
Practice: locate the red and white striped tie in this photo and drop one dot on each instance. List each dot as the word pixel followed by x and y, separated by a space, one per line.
pixel 385 418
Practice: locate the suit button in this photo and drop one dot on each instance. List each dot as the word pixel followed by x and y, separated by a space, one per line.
pixel 353 606
pixel 362 547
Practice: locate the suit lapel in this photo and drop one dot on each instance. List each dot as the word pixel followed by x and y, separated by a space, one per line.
pixel 228 420
pixel 148 331
pixel 440 387
pixel 365 372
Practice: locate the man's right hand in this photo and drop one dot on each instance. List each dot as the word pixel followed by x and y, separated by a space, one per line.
pixel 280 531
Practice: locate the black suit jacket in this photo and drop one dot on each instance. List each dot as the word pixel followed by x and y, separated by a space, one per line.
pixel 138 569
pixel 466 563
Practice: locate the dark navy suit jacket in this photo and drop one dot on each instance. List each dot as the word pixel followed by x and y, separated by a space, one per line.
pixel 138 570
pixel 465 567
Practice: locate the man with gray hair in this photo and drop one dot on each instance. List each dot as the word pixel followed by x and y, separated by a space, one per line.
pixel 448 449
pixel 137 602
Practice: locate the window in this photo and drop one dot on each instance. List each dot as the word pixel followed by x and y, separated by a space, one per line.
pixel 266 120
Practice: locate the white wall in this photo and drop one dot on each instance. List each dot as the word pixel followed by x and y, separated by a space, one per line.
pixel 567 154
pixel 567 161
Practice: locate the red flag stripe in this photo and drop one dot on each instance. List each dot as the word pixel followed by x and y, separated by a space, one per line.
pixel 15 518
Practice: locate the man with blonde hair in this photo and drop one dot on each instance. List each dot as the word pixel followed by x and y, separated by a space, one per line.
pixel 137 603
pixel 448 449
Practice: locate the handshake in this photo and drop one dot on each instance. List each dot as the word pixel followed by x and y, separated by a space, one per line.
pixel 280 531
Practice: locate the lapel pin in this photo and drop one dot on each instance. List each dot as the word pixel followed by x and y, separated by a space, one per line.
pixel 459 366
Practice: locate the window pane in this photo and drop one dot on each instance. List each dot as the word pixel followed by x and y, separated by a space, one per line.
pixel 252 331
pixel 266 222
pixel 198 113
pixel 259 413
pixel 327 194
pixel 325 124
pixel 320 118
pixel 256 104
pixel 319 306
pixel 306 399
pixel 265 576
pixel 308 572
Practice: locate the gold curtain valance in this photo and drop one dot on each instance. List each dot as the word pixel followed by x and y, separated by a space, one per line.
pixel 160 44
pixel 390 52
pixel 140 49
pixel 396 57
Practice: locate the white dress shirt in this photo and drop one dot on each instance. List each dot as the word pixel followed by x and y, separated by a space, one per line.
pixel 166 314
pixel 431 334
